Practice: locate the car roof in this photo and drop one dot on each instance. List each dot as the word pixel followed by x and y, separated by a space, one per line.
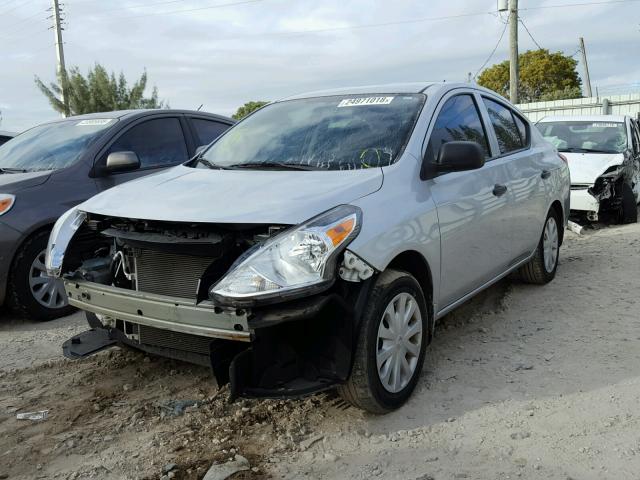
pixel 4 133
pixel 143 112
pixel 409 87
pixel 583 118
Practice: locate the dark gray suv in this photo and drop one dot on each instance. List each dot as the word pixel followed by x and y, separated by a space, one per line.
pixel 52 167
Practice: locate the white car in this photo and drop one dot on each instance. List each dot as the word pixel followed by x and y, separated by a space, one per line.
pixel 604 160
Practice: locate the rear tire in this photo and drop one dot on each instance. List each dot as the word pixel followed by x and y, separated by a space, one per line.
pixel 541 269
pixel 31 294
pixel 629 209
pixel 389 356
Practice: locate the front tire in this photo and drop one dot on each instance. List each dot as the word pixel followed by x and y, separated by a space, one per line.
pixel 629 209
pixel 32 294
pixel 391 345
pixel 541 269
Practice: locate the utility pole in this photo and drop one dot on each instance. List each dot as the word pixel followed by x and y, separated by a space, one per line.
pixel 513 47
pixel 587 78
pixel 61 69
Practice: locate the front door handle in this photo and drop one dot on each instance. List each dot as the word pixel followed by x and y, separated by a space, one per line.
pixel 499 190
pixel 545 174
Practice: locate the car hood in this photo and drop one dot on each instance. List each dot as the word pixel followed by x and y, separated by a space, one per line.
pixel 184 194
pixel 14 182
pixel 586 167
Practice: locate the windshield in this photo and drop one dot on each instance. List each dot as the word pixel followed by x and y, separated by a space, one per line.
pixel 593 136
pixel 51 146
pixel 326 133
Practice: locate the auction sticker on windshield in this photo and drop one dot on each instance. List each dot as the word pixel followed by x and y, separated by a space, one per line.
pixel 605 125
pixel 357 102
pixel 93 122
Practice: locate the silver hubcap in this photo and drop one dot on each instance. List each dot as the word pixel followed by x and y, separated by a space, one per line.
pixel 399 341
pixel 48 291
pixel 550 244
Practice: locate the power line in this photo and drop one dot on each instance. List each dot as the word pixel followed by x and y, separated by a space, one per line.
pixel 37 14
pixel 222 5
pixel 581 4
pixel 492 51
pixel 362 26
pixel 7 3
pixel 529 33
pixel 143 5
pixel 16 7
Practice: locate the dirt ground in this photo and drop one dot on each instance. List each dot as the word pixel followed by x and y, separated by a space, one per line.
pixel 522 382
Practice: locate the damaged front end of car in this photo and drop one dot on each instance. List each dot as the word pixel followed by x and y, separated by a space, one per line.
pixel 274 309
pixel 607 192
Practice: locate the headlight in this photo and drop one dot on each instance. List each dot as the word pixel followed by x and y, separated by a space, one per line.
pixel 61 235
pixel 6 202
pixel 294 262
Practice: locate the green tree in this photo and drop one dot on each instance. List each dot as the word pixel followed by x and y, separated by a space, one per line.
pixel 543 76
pixel 247 108
pixel 98 91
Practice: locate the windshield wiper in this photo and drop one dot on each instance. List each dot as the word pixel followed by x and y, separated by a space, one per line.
pixel 211 165
pixel 13 170
pixel 275 166
pixel 585 150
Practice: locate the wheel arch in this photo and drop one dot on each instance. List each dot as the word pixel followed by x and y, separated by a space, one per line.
pixel 556 206
pixel 28 236
pixel 414 263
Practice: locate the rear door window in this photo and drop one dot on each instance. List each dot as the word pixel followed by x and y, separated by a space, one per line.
pixel 158 142
pixel 523 129
pixel 208 130
pixel 459 120
pixel 504 125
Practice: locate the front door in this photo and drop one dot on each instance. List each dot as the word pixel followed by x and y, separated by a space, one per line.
pixel 473 206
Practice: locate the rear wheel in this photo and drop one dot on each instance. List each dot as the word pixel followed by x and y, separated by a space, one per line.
pixel 32 293
pixel 542 267
pixel 628 209
pixel 391 347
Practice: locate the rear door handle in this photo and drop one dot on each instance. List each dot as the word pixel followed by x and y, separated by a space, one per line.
pixel 545 174
pixel 499 190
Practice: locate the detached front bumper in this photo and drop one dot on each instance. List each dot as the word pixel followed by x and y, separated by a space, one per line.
pixel 158 311
pixel 289 349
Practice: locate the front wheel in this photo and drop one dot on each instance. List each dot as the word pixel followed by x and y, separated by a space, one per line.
pixel 629 208
pixel 32 293
pixel 542 267
pixel 391 346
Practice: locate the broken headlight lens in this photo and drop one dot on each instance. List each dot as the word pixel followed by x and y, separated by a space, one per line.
pixel 293 261
pixel 61 235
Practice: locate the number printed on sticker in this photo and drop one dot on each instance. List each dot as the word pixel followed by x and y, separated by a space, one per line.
pixel 605 125
pixel 93 122
pixel 361 101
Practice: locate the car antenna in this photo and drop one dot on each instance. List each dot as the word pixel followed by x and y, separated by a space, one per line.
pixel 198 109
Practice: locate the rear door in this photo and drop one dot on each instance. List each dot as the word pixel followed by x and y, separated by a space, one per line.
pixel 472 206
pixel 159 143
pixel 527 175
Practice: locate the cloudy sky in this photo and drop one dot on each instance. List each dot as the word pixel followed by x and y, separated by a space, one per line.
pixel 221 53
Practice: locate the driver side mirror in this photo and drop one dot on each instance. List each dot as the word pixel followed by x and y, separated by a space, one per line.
pixel 453 157
pixel 459 156
pixel 122 162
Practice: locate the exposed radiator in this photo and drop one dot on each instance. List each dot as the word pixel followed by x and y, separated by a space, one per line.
pixel 169 273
